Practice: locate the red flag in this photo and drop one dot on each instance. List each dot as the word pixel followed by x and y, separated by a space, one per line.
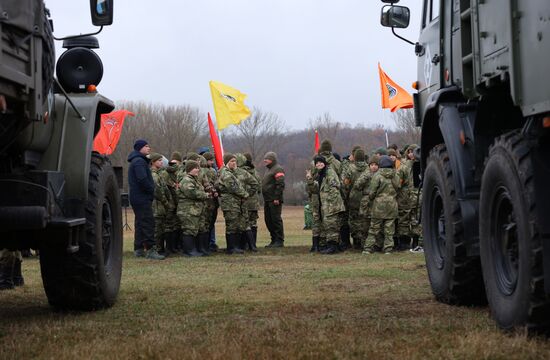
pixel 107 137
pixel 218 151
pixel 317 146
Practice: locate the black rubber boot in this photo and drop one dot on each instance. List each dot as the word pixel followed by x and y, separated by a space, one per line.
pixel 203 240
pixel 345 237
pixel 17 275
pixel 6 276
pixel 404 243
pixel 332 248
pixel 314 244
pixel 171 239
pixel 250 241
pixel 178 243
pixel 232 243
pixel 243 242
pixel 396 242
pixel 238 241
pixel 255 235
pixel 189 248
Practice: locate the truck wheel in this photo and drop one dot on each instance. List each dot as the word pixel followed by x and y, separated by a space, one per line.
pixel 90 278
pixel 510 246
pixel 454 277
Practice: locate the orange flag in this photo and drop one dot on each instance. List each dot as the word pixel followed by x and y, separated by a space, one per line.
pixel 106 140
pixel 394 97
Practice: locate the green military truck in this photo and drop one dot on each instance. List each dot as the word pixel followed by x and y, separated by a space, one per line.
pixel 483 102
pixel 56 194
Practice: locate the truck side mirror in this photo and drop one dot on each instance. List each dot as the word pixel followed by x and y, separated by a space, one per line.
pixel 395 16
pixel 102 12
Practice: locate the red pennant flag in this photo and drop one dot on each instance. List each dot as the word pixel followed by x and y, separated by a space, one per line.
pixel 108 135
pixel 317 145
pixel 218 151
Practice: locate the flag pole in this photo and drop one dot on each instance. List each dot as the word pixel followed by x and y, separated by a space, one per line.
pixel 387 141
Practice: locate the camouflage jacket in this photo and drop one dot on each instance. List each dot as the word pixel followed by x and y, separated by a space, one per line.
pixel 383 192
pixel 328 192
pixel 273 183
pixel 162 202
pixel 232 191
pixel 253 201
pixel 171 179
pixel 333 162
pixel 350 173
pixel 404 173
pixel 191 195
pixel 358 198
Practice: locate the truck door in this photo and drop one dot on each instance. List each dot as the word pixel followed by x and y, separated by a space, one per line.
pixel 430 58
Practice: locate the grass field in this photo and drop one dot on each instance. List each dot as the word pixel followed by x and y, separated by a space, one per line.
pixel 281 303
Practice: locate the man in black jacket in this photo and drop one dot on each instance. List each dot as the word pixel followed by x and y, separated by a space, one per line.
pixel 273 185
pixel 142 189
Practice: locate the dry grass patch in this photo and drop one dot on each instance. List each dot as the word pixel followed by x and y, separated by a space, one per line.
pixel 280 303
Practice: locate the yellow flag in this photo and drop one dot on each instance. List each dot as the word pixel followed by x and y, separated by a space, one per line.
pixel 228 105
pixel 394 97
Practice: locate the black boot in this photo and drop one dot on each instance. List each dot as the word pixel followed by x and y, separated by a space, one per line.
pixel 178 243
pixel 345 237
pixel 243 242
pixel 189 246
pixel 232 243
pixel 171 239
pixel 203 240
pixel 332 248
pixel 314 244
pixel 414 242
pixel 250 241
pixel 238 243
pixel 17 275
pixel 396 242
pixel 255 236
pixel 6 276
pixel 404 243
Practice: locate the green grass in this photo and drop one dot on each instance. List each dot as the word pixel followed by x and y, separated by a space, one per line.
pixel 281 303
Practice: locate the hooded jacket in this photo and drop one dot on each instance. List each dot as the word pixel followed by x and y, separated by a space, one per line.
pixel 140 180
pixel 383 192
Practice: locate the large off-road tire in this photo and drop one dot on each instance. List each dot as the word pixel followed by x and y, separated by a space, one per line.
pixel 510 245
pixel 454 277
pixel 90 278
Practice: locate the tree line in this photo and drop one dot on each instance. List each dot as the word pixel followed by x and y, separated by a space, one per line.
pixel 184 128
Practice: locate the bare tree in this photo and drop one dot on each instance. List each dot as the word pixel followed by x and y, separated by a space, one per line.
pixel 261 132
pixel 327 126
pixel 404 121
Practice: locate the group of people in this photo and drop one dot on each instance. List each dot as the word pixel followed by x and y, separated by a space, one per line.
pixel 372 201
pixel 176 206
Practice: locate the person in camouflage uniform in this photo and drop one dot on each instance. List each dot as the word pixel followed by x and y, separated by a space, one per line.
pixel 213 204
pixel 191 205
pixel 382 193
pixel 207 177
pixel 350 175
pixel 172 224
pixel 10 269
pixel 162 203
pixel 361 189
pixel 414 200
pixel 233 196
pixel 402 239
pixel 346 166
pixel 326 185
pixel 273 185
pixel 317 238
pixel 253 201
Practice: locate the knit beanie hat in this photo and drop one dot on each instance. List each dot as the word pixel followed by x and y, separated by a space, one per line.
pixel 248 156
pixel 190 165
pixel 392 152
pixel 374 159
pixel 192 156
pixel 227 157
pixel 359 155
pixel 385 162
pixel 319 158
pixel 354 149
pixel 176 155
pixel 270 155
pixel 381 151
pixel 139 144
pixel 208 156
pixel 155 156
pixel 326 146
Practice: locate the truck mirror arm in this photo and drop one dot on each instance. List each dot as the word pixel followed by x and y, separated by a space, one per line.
pixel 401 37
pixel 77 36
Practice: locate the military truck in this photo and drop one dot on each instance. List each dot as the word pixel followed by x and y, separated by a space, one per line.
pixel 483 102
pixel 56 194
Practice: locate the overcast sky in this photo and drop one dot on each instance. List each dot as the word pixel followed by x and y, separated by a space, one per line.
pixel 296 58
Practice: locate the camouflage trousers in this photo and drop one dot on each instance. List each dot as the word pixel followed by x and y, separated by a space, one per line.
pixel 308 217
pixel 375 242
pixel 252 220
pixel 330 228
pixel 235 221
pixel 160 230
pixel 7 257
pixel 359 226
pixel 172 222
pixel 316 222
pixel 190 222
pixel 404 222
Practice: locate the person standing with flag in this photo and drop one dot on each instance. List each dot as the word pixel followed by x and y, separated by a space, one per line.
pixel 273 185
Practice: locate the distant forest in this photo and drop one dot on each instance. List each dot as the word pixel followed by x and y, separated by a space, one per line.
pixel 185 128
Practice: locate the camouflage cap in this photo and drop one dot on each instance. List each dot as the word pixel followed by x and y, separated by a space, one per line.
pixel 208 156
pixel 192 156
pixel 359 155
pixel 155 156
pixel 326 146
pixel 190 165
pixel 176 155
pixel 374 159
pixel 227 157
